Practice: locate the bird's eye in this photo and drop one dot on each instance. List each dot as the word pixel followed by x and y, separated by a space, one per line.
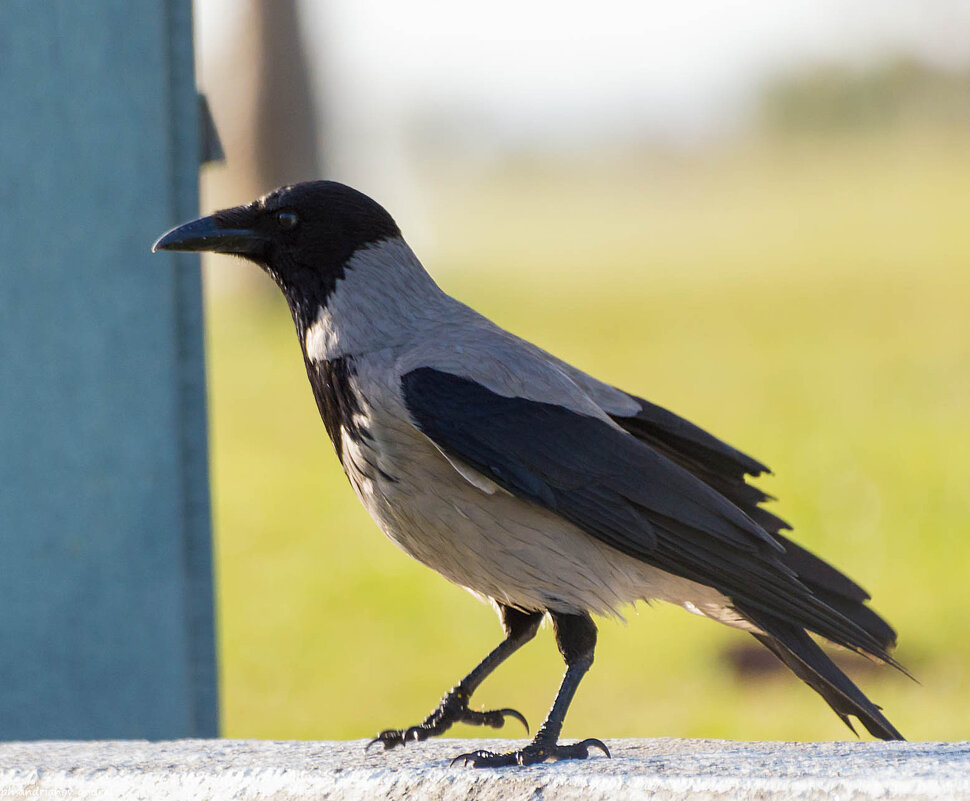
pixel 287 220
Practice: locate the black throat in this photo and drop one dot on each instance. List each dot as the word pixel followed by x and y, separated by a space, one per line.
pixel 337 399
pixel 332 380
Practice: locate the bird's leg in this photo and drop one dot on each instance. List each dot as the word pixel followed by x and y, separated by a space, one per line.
pixel 520 627
pixel 576 636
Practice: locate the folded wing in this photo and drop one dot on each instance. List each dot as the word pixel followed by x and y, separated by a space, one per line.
pixel 614 486
pixel 724 468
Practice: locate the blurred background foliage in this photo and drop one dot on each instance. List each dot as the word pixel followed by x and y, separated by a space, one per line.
pixel 789 270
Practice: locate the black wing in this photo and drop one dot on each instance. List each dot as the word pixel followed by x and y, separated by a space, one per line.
pixel 724 468
pixel 623 492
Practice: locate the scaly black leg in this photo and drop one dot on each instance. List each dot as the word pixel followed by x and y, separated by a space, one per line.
pixel 520 627
pixel 576 636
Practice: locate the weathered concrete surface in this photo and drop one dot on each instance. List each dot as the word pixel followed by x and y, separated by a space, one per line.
pixel 655 769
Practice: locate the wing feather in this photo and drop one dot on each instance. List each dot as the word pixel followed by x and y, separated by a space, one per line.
pixel 621 491
pixel 725 468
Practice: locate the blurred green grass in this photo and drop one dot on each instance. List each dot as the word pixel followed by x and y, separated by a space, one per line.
pixel 809 302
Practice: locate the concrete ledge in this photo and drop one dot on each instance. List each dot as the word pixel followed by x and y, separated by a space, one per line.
pixel 657 769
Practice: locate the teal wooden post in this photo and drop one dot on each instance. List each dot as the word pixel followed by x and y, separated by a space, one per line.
pixel 106 622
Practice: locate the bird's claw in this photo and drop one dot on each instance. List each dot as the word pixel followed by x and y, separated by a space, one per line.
pixel 392 738
pixel 494 718
pixel 534 753
pixel 452 709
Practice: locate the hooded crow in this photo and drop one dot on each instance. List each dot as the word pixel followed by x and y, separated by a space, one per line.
pixel 522 478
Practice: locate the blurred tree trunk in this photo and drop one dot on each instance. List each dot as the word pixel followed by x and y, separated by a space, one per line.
pixel 258 76
pixel 286 143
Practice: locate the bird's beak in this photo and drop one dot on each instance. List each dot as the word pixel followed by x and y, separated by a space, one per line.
pixel 207 233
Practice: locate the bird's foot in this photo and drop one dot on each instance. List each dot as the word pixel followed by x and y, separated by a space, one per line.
pixel 452 709
pixel 539 750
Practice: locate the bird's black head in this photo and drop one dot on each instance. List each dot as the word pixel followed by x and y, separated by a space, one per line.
pixel 302 235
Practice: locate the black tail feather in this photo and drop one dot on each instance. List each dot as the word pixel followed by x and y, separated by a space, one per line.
pixel 837 590
pixel 723 468
pixel 802 655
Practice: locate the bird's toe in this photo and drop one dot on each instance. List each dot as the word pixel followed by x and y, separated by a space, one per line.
pixel 390 738
pixel 495 718
pixel 534 753
pixel 486 759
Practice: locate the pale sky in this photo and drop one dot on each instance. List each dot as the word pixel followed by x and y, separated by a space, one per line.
pixel 569 73
pixel 542 69
pixel 539 66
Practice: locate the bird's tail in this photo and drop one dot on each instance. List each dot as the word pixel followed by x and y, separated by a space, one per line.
pixel 802 655
pixel 837 590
